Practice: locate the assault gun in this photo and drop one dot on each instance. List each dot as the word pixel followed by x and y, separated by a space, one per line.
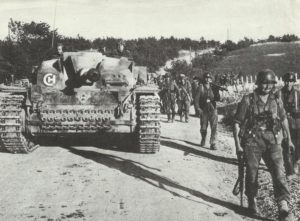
pixel 239 185
pixel 220 88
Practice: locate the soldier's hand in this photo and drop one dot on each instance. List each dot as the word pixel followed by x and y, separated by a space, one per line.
pixel 291 146
pixel 199 112
pixel 239 150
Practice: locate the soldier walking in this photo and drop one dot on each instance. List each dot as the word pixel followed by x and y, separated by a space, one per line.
pixel 291 97
pixel 170 90
pixel 205 102
pixel 184 98
pixel 259 119
pixel 195 85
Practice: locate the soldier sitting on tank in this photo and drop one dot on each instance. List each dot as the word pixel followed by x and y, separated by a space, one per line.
pixel 84 77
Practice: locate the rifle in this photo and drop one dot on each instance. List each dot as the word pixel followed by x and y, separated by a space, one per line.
pixel 239 185
pixel 220 88
pixel 187 94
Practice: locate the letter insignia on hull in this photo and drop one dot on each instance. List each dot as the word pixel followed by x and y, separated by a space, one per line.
pixel 49 79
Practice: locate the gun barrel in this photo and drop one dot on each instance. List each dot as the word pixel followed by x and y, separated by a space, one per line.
pixel 219 87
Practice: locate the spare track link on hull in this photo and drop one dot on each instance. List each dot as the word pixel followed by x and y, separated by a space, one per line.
pixel 148 121
pixel 11 138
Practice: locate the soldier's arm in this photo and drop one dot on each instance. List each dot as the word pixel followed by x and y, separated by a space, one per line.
pixel 236 131
pixel 189 89
pixel 298 100
pixel 197 97
pixel 176 86
pixel 239 119
pixel 285 124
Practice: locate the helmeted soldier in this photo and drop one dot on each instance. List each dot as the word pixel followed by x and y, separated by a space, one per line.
pixel 205 102
pixel 184 97
pixel 195 85
pixel 291 97
pixel 259 119
pixel 60 55
pixel 170 90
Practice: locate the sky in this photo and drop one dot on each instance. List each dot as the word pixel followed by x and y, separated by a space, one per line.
pixel 131 19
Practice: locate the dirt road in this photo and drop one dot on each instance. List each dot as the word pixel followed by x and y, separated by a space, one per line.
pixel 101 182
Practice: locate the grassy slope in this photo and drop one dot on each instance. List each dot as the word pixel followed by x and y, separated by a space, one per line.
pixel 253 59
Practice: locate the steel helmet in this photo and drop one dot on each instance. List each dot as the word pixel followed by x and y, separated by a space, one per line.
pixel 289 76
pixel 167 75
pixel 182 76
pixel 207 75
pixel 266 76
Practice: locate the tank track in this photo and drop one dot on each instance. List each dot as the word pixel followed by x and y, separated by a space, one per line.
pixel 148 124
pixel 12 125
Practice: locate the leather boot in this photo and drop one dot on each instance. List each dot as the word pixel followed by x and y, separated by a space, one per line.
pixel 180 118
pixel 213 146
pixel 203 138
pixel 169 118
pixel 252 205
pixel 283 209
pixel 173 118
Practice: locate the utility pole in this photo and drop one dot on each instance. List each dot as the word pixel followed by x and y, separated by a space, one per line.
pixel 227 34
pixel 8 31
pixel 53 31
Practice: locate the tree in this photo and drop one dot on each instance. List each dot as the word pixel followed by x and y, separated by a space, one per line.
pixel 180 67
pixel 289 38
pixel 17 57
pixel 206 62
pixel 246 42
pixel 33 39
pixel 229 46
pixel 271 38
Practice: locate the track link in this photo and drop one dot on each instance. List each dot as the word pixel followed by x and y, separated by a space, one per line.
pixel 12 120
pixel 148 124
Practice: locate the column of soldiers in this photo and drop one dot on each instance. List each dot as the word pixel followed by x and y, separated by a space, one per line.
pixel 203 95
pixel 267 126
pixel 172 92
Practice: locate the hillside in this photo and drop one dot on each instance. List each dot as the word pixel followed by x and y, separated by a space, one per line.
pixel 280 57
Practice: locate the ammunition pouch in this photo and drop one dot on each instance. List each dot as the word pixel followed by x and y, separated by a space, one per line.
pixel 266 121
pixel 260 123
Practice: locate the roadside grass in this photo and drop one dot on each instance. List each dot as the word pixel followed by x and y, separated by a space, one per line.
pixel 278 56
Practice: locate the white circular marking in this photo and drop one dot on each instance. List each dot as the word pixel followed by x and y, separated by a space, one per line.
pixel 49 79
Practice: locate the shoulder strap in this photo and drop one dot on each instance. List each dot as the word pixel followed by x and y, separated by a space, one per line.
pixel 252 104
pixel 201 88
pixel 277 97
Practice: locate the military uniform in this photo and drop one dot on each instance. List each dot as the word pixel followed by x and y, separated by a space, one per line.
pixel 205 102
pixel 184 99
pixel 170 90
pixel 262 140
pixel 290 99
pixel 259 121
pixel 195 86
